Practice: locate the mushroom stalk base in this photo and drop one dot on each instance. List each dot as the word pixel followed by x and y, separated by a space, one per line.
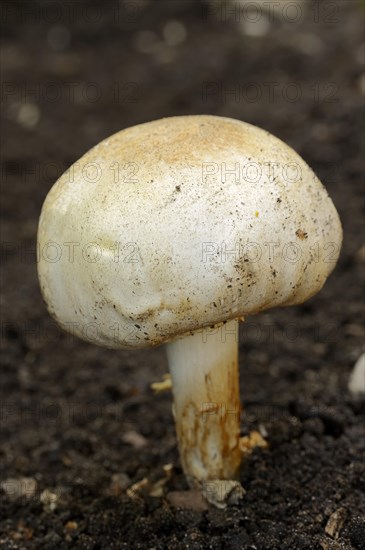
pixel 204 372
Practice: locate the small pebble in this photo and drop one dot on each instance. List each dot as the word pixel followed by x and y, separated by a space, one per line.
pixel 28 115
pixel 138 441
pixel 335 523
pixel 71 525
pixel 357 378
pixel 49 500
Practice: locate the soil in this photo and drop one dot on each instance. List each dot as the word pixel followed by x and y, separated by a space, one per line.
pixel 82 422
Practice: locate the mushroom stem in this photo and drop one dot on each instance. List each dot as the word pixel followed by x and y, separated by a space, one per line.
pixel 204 372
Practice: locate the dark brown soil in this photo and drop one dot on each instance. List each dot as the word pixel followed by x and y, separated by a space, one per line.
pixel 67 406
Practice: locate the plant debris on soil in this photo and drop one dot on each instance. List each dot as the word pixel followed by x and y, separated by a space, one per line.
pixel 88 455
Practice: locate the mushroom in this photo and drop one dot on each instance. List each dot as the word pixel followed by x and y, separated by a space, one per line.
pixel 170 232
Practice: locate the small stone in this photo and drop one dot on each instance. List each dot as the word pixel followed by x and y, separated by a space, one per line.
pixel 263 431
pixel 28 115
pixel 49 500
pixel 71 525
pixel 137 440
pixel 357 378
pixel 335 523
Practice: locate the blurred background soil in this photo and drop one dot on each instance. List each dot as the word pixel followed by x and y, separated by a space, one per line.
pixel 80 424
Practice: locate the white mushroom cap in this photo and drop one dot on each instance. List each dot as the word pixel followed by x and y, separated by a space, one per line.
pixel 213 219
